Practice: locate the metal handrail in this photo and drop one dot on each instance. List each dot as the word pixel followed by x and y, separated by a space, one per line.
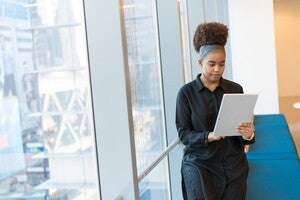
pixel 142 175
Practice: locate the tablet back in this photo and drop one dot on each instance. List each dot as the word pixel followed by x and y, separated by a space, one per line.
pixel 234 109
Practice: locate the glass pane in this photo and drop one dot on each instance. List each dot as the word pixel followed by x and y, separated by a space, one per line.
pixel 154 186
pixel 47 146
pixel 146 84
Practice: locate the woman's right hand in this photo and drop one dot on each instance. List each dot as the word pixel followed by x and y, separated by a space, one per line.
pixel 212 137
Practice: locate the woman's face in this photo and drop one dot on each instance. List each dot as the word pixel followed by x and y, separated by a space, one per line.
pixel 213 65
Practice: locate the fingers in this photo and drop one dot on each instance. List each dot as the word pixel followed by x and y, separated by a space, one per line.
pixel 218 137
pixel 246 126
pixel 246 129
pixel 213 137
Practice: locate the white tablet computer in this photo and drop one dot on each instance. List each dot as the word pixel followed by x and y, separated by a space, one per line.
pixel 234 109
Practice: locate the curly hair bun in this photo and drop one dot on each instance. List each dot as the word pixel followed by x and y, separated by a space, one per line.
pixel 210 33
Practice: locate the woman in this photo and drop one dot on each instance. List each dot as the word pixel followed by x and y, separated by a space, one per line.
pixel 213 167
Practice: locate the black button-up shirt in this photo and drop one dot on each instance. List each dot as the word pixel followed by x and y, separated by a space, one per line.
pixel 218 162
pixel 197 109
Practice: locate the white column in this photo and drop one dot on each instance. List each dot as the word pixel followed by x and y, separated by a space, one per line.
pixel 112 112
pixel 253 51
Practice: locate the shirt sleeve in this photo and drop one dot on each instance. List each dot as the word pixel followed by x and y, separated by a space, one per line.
pixel 188 136
pixel 246 142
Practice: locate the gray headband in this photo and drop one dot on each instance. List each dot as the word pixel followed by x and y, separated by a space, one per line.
pixel 205 49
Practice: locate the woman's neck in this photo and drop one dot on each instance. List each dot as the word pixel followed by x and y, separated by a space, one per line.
pixel 209 84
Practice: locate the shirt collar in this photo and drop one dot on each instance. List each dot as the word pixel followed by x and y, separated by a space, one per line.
pixel 224 84
pixel 199 85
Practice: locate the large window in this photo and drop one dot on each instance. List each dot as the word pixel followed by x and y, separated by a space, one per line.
pixel 46 125
pixel 146 94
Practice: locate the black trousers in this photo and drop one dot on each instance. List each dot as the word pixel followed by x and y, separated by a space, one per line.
pixel 193 186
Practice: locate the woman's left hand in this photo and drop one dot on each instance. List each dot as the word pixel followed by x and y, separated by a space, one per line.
pixel 246 129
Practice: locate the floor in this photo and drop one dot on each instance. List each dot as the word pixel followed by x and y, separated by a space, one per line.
pixel 292 116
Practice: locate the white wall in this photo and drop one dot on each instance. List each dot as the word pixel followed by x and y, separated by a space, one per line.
pixel 251 26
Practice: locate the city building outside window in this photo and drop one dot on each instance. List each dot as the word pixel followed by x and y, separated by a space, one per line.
pixel 47 143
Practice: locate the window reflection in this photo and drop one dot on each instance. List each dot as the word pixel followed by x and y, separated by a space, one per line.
pixel 146 88
pixel 46 132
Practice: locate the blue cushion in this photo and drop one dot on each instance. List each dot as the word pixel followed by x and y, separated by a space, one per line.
pixel 271 156
pixel 273 139
pixel 274 179
pixel 278 119
pixel 273 160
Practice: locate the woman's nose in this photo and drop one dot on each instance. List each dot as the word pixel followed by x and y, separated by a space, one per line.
pixel 217 68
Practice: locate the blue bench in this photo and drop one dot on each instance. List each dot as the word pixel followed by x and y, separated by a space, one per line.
pixel 273 160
